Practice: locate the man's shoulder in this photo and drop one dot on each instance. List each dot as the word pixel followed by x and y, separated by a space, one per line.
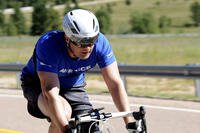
pixel 52 41
pixel 51 35
pixel 101 36
pixel 102 42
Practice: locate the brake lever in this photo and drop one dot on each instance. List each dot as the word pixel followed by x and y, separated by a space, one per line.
pixel 139 115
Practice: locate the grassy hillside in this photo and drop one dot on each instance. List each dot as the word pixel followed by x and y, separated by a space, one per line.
pixel 161 50
pixel 177 10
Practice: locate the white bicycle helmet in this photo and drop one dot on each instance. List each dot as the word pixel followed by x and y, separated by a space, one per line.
pixel 81 26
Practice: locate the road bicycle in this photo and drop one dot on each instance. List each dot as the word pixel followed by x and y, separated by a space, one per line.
pixel 96 115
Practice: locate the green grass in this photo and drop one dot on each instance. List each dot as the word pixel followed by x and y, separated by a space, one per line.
pixel 162 87
pixel 157 87
pixel 129 50
pixel 161 50
pixel 16 49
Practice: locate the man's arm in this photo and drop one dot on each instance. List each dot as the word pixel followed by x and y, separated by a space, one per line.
pixel 52 103
pixel 116 88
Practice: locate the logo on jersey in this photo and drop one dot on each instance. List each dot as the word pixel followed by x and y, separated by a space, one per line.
pixel 110 55
pixel 81 69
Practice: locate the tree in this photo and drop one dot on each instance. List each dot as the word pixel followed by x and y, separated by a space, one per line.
pixel 67 7
pixel 128 2
pixel 10 29
pixel 75 3
pixel 44 18
pixel 195 9
pixel 57 2
pixel 52 21
pixel 143 23
pixel 2 19
pixel 2 23
pixel 19 20
pixel 104 19
pixel 164 23
pixel 2 4
pixel 39 17
pixel 26 2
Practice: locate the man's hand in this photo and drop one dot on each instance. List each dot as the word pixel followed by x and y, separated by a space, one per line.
pixel 134 127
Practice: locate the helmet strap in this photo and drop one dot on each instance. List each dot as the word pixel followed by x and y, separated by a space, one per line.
pixel 70 50
pixel 69 46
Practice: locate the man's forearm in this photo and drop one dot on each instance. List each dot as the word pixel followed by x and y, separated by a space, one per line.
pixel 115 85
pixel 56 109
pixel 120 99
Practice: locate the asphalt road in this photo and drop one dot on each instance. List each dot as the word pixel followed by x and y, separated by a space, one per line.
pixel 163 116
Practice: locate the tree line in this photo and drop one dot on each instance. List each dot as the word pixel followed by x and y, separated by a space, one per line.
pixel 10 4
pixel 45 18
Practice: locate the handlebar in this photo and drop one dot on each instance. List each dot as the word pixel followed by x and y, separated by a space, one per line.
pixel 96 115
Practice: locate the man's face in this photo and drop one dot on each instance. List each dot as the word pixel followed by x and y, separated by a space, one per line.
pixel 81 52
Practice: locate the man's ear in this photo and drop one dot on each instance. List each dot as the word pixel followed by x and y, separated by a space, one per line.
pixel 66 39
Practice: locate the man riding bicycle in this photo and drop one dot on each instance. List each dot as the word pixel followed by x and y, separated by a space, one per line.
pixel 53 81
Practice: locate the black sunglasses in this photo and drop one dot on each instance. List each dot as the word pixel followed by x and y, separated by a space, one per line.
pixel 82 45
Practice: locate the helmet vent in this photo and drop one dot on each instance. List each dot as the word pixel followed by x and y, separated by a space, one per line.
pixel 76 26
pixel 96 28
pixel 93 23
pixel 74 31
pixel 71 13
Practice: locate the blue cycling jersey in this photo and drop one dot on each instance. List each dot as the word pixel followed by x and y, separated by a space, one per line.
pixel 52 56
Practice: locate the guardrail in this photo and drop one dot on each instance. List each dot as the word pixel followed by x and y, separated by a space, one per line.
pixel 186 71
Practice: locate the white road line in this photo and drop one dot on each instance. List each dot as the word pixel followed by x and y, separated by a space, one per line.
pixel 11 96
pixel 154 107
pixel 132 105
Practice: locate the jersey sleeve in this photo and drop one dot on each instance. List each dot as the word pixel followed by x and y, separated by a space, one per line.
pixel 45 56
pixel 105 53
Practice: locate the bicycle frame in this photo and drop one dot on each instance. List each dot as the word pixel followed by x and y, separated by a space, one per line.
pixel 96 116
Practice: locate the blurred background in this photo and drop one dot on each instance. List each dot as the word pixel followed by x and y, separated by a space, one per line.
pixel 157 32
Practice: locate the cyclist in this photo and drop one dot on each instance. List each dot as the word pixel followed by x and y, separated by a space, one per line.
pixel 53 80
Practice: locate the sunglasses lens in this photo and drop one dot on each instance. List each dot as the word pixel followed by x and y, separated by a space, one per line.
pixel 87 45
pixel 84 41
pixel 82 45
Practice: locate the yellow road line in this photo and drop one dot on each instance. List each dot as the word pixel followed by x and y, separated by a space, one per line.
pixel 8 131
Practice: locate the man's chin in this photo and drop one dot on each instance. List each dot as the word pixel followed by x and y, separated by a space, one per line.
pixel 84 57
